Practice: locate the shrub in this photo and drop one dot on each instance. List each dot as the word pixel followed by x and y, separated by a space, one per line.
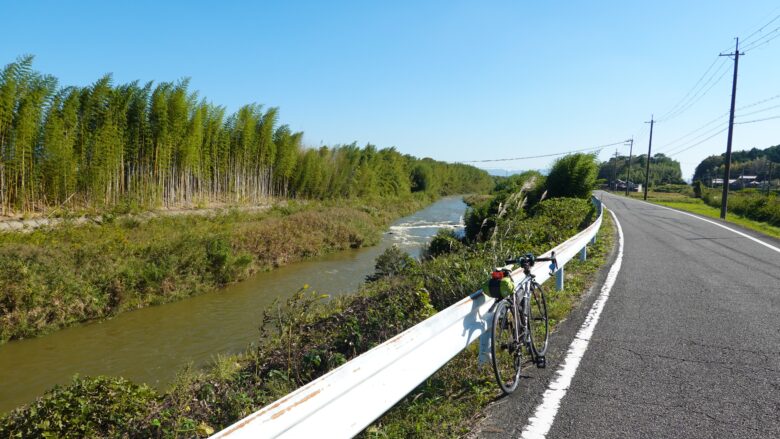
pixel 444 242
pixel 393 262
pixel 573 176
pixel 753 205
pixel 88 407
pixel 697 186
pixel 512 196
pixel 673 188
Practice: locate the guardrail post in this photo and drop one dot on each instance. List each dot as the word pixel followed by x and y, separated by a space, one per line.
pixel 599 211
pixel 584 253
pixel 559 279
pixel 484 344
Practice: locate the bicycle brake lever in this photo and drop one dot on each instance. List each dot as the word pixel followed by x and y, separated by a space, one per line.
pixel 553 264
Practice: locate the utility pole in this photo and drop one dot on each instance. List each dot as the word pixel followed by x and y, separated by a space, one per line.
pixel 726 173
pixel 630 152
pixel 649 149
pixel 614 172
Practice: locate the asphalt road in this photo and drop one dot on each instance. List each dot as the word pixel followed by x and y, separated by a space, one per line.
pixel 688 344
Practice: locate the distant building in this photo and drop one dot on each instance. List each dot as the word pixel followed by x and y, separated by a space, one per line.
pixel 633 187
pixel 740 182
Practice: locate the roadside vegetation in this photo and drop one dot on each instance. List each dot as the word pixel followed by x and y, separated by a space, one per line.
pixel 310 335
pixel 685 200
pixel 748 203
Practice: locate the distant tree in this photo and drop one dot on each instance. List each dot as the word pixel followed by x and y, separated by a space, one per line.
pixel 663 170
pixel 422 178
pixel 751 162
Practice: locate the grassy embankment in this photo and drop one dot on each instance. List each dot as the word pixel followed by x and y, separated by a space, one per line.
pixel 742 207
pixel 309 336
pixel 56 277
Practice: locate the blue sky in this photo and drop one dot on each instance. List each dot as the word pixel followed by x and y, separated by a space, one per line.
pixel 452 80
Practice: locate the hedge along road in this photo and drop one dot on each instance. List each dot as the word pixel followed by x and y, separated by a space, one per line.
pixel 688 344
pixel 150 345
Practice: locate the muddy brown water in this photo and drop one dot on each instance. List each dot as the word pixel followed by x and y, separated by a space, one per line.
pixel 150 345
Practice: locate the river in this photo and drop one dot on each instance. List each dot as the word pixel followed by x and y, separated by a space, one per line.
pixel 150 345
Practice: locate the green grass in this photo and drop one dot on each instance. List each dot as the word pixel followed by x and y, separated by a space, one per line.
pixel 712 212
pixel 697 206
pixel 65 275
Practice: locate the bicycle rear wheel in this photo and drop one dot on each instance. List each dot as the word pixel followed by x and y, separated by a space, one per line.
pixel 505 348
pixel 537 321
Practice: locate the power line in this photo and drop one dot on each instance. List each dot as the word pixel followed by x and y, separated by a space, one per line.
pixel 759 111
pixel 757 120
pixel 680 102
pixel 759 30
pixel 545 155
pixel 756 44
pixel 673 149
pixel 772 98
pixel 669 146
pixel 694 97
pixel 701 93
pixel 697 143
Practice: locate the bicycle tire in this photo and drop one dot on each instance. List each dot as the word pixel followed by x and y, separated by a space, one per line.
pixel 505 348
pixel 538 323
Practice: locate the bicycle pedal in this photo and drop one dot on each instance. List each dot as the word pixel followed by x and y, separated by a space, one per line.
pixel 541 362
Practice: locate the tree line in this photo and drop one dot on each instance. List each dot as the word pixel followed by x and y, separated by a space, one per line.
pixel 663 170
pixel 763 163
pixel 160 144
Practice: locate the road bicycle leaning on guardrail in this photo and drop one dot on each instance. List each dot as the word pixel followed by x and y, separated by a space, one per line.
pixel 520 329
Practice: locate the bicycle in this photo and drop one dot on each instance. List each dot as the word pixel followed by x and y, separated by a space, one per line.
pixel 509 339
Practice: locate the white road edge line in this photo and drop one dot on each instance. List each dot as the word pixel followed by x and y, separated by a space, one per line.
pixel 769 246
pixel 542 420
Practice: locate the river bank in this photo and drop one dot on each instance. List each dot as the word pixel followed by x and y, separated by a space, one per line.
pixel 58 277
pixel 29 222
pixel 151 345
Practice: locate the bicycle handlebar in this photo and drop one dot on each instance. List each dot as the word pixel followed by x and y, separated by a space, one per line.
pixel 527 261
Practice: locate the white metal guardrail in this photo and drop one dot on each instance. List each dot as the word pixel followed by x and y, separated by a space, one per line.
pixel 344 401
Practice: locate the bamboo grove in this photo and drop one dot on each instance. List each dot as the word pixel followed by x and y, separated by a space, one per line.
pixel 161 145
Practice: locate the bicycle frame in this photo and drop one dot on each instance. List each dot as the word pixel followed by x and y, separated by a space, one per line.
pixel 525 286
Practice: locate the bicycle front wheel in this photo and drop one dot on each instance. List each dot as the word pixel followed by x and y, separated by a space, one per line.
pixel 537 321
pixel 505 348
